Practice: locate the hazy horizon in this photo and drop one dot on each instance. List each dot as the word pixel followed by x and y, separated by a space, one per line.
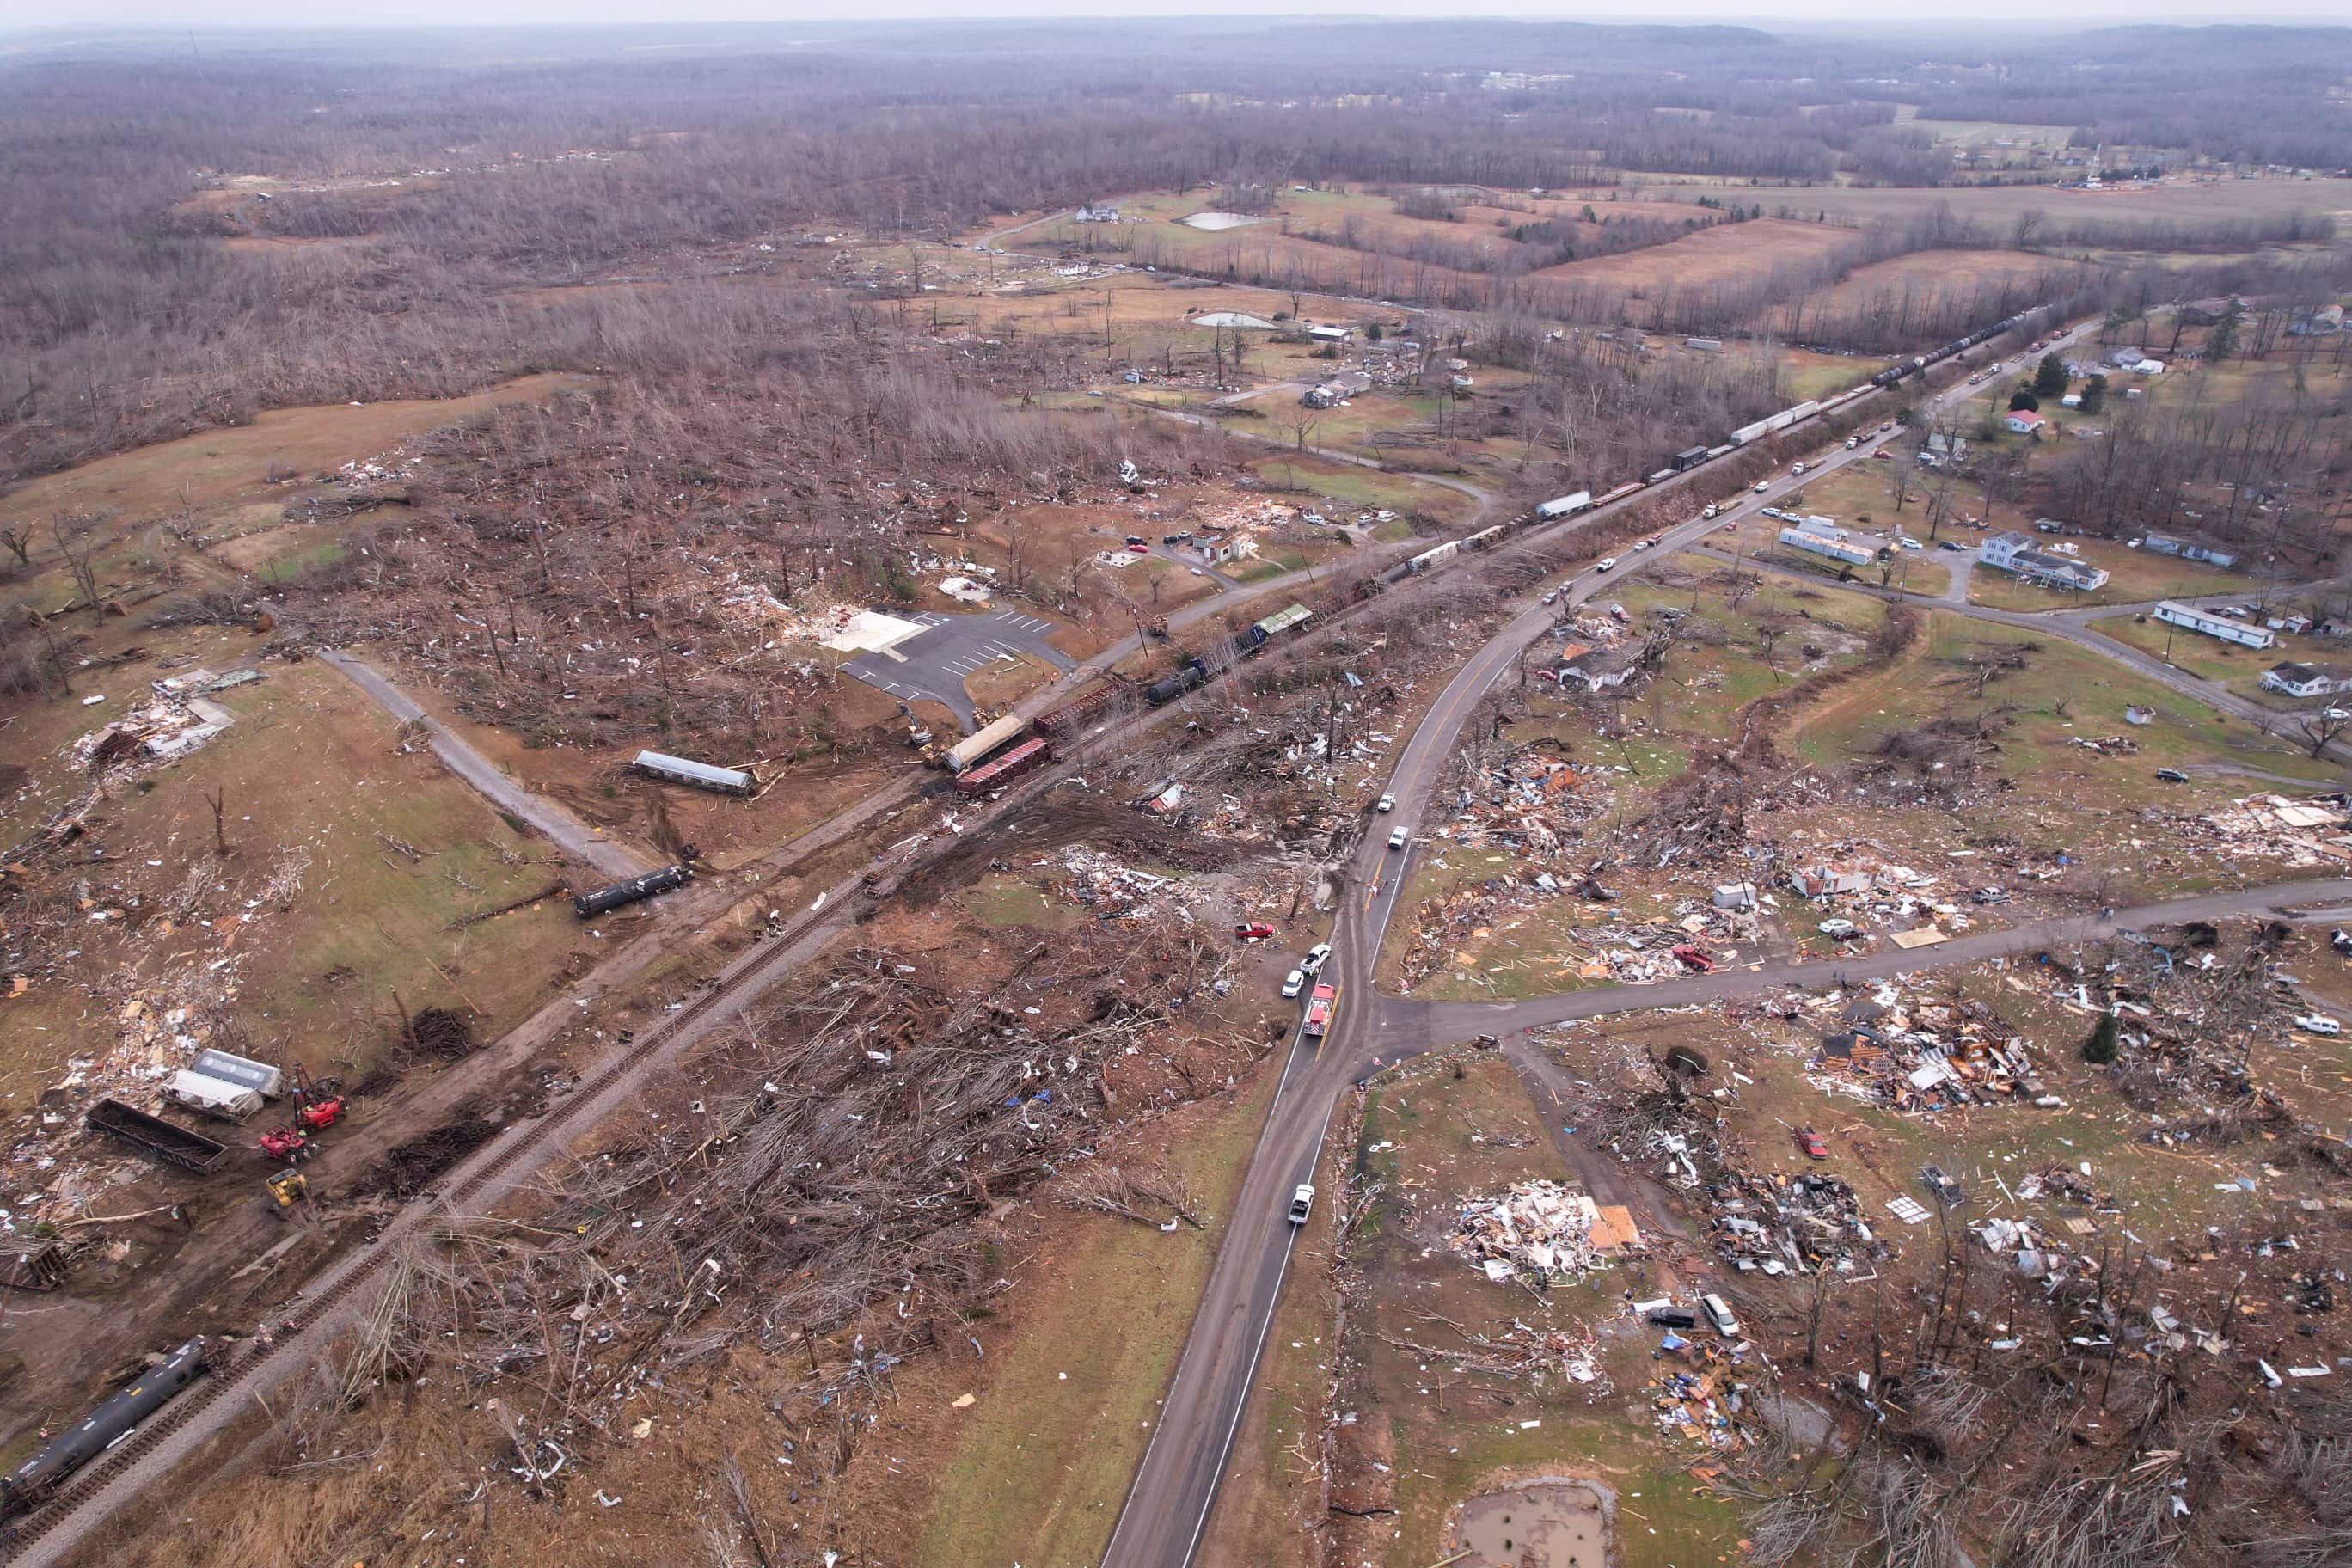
pixel 84 18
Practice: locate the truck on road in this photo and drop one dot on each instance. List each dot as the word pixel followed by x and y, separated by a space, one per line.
pixel 1320 1007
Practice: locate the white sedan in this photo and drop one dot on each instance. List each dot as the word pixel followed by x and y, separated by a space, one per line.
pixel 1294 982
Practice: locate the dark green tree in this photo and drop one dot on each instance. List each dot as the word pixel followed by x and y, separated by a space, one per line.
pixel 2105 1042
pixel 2095 393
pixel 2050 377
pixel 2024 402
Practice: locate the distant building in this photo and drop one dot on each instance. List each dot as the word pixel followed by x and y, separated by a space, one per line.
pixel 1330 334
pixel 2015 554
pixel 2022 422
pixel 2186 548
pixel 2209 313
pixel 2323 323
pixel 2189 618
pixel 2308 679
pixel 1093 213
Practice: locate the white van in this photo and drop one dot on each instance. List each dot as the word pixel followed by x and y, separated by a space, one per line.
pixel 2318 1024
pixel 1719 1316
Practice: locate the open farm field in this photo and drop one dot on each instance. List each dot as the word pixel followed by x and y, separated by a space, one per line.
pixel 1724 254
pixel 2179 201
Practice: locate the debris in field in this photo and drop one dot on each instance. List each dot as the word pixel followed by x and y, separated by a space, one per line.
pixel 1704 1404
pixel 1540 1229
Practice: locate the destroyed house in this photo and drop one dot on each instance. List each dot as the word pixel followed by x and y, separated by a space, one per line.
pixel 2308 679
pixel 1828 878
pixel 1598 668
pixel 2014 553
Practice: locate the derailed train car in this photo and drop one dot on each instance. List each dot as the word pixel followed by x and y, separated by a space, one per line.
pixel 30 1483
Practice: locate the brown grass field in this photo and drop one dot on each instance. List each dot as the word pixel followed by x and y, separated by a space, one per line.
pixel 1926 276
pixel 1722 254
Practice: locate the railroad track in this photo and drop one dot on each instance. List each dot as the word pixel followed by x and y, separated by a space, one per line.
pixel 479 1174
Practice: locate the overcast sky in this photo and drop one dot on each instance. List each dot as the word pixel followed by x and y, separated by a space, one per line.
pixel 84 15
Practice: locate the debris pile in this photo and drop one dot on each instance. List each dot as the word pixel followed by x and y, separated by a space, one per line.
pixel 1115 893
pixel 1537 1230
pixel 1922 1057
pixel 1522 1351
pixel 176 722
pixel 1704 1404
pixel 1779 1224
pixel 2309 832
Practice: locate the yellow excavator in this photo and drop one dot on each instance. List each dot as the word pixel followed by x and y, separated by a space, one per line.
pixel 286 1189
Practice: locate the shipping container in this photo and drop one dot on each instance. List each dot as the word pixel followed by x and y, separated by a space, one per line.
pixel 1564 506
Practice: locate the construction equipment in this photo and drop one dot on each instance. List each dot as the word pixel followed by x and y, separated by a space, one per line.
pixel 290 1145
pixel 286 1189
pixel 321 1114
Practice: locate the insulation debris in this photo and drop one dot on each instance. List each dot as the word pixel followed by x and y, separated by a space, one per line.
pixel 1536 1230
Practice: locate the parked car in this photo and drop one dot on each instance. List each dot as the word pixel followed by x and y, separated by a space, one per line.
pixel 1839 930
pixel 1989 896
pixel 1294 982
pixel 1606 564
pixel 1302 1203
pixel 1908 542
pixel 1954 546
pixel 1718 1315
pixel 1809 1141
pixel 1172 539
pixel 1252 930
pixel 1552 597
pixel 1882 456
pixel 1398 839
pixel 1387 802
pixel 1315 958
pixel 1671 1316
pixel 1140 548
pixel 2173 776
pixel 1776 513
pixel 1135 539
pixel 2318 1024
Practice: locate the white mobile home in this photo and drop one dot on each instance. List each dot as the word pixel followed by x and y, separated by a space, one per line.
pixel 2190 618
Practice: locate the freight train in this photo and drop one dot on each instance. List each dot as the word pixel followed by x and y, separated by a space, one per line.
pixel 1692 457
pixel 1919 366
pixel 32 1482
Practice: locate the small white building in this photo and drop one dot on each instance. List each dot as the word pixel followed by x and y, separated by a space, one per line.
pixel 2022 422
pixel 2189 618
pixel 1330 334
pixel 1096 212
